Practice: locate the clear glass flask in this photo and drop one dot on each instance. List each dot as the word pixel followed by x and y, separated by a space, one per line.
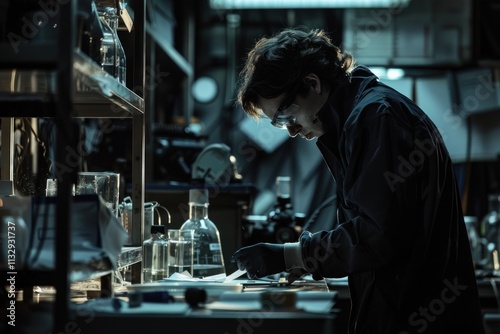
pixel 208 259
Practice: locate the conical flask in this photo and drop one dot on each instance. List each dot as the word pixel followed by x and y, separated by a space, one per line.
pixel 208 259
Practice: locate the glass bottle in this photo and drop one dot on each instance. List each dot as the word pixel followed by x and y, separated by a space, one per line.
pixel 112 52
pixel 108 44
pixel 155 251
pixel 208 259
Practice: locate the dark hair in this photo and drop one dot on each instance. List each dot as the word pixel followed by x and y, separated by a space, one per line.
pixel 280 63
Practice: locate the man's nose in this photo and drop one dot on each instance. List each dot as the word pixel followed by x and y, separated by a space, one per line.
pixel 293 130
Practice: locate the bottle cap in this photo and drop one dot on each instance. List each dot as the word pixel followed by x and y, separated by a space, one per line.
pixel 157 229
pixel 198 196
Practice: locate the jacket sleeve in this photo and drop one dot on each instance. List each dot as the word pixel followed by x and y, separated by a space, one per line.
pixel 378 202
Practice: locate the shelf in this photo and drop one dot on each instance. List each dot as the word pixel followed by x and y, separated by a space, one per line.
pixel 99 89
pixel 128 256
pixel 177 63
pixel 97 94
pixel 48 77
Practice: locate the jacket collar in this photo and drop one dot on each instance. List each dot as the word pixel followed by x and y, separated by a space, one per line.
pixel 342 100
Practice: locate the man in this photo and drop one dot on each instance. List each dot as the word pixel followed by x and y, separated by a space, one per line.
pixel 401 238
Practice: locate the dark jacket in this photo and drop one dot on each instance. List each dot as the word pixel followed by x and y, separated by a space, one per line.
pixel 402 240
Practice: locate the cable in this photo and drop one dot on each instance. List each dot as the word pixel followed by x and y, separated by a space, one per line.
pixel 23 151
pixel 159 215
pixel 37 138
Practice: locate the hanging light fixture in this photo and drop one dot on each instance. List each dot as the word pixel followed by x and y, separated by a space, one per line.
pixel 275 4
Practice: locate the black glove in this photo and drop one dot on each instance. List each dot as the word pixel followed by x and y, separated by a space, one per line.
pixel 295 274
pixel 260 260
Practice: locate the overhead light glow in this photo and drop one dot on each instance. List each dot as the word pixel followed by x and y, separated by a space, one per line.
pixel 270 4
pixel 395 73
pixel 380 72
pixel 388 73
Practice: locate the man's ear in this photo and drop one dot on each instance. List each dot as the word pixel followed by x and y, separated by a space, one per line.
pixel 313 81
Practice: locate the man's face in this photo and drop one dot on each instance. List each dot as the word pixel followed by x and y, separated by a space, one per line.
pixel 299 117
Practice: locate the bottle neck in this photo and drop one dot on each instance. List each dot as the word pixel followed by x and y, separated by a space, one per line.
pixel 198 211
pixel 110 16
pixel 155 236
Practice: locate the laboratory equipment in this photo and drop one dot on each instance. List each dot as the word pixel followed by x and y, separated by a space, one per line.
pixel 180 251
pixel 208 259
pixel 104 184
pixel 155 255
pixel 113 58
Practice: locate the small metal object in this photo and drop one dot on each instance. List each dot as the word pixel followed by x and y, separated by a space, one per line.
pixel 195 297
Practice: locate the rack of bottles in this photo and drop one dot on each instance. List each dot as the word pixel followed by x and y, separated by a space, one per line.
pixel 50 75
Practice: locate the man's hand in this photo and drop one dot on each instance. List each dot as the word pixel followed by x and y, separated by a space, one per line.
pixel 260 260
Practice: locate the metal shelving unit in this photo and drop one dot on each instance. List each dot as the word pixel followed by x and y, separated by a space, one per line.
pixel 57 80
pixel 97 94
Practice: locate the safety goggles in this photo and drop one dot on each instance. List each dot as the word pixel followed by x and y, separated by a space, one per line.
pixel 285 117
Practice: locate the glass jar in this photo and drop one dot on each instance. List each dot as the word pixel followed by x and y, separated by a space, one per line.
pixel 155 253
